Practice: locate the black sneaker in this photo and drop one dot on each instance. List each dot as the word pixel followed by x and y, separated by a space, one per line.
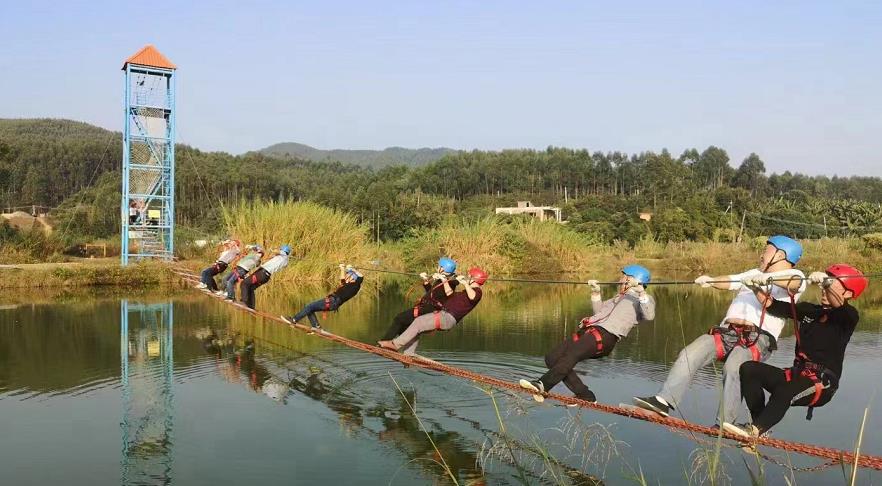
pixel 653 404
pixel 588 396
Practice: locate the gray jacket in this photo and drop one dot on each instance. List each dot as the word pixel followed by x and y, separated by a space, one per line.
pixel 621 313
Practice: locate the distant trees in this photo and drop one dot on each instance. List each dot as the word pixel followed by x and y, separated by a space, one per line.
pixel 697 195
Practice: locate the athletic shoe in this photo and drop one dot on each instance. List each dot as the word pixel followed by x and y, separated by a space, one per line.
pixel 201 286
pixel 315 329
pixel 747 431
pixel 289 320
pixel 220 292
pixel 589 397
pixel 653 404
pixel 536 387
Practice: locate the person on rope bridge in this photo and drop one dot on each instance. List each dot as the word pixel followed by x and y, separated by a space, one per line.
pixel 350 284
pixel 231 249
pixel 747 333
pixel 253 255
pixel 262 275
pixel 597 335
pixel 436 293
pixel 452 312
pixel 822 334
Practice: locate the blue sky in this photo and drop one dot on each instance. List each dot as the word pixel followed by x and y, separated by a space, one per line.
pixel 796 82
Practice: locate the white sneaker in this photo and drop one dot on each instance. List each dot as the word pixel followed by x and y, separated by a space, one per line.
pixel 536 387
pixel 201 286
pixel 221 293
pixel 748 431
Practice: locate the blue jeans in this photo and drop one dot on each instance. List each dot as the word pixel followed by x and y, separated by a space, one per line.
pixel 232 279
pixel 311 308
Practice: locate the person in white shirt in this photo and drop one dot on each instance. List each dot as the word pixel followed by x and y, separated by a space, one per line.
pixel 231 250
pixel 262 275
pixel 747 333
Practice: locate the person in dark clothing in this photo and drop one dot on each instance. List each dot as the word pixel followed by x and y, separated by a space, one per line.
pixel 454 310
pixel 263 274
pixel 822 334
pixel 350 284
pixel 228 256
pixel 432 300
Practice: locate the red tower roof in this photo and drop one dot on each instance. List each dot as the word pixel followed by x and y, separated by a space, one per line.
pixel 149 56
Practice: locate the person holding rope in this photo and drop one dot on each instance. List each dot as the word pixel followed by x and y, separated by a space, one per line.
pixel 452 312
pixel 253 255
pixel 262 275
pixel 747 333
pixel 350 284
pixel 822 334
pixel 231 250
pixel 597 335
pixel 437 290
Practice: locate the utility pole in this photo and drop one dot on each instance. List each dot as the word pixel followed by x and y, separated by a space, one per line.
pixel 741 232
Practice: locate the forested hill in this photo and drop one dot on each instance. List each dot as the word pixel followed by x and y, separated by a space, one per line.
pixel 43 161
pixel 696 195
pixel 364 158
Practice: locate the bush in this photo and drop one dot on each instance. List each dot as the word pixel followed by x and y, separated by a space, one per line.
pixel 873 240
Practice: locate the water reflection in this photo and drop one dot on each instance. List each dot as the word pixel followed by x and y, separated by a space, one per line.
pixel 302 402
pixel 146 378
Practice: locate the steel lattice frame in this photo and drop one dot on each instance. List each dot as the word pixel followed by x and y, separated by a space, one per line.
pixel 148 172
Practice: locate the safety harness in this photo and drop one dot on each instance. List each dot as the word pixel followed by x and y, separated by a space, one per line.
pixel 429 298
pixel 589 325
pixel 803 366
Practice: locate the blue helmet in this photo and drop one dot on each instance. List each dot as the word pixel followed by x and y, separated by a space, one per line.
pixel 638 272
pixel 447 264
pixel 286 249
pixel 791 248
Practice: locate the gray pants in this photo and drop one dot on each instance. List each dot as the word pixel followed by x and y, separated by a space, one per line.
pixel 408 340
pixel 702 352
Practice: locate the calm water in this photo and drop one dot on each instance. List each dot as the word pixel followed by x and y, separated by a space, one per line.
pixel 180 389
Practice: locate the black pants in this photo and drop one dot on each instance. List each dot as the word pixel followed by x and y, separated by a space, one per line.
pixel 799 391
pixel 404 319
pixel 209 273
pixel 250 284
pixel 563 358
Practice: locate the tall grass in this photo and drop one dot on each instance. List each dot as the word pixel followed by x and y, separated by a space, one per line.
pixel 319 236
pixel 502 247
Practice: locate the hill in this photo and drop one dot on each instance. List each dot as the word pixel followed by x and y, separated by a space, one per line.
pixel 364 158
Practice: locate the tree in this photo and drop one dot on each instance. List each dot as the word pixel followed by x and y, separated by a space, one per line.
pixel 751 175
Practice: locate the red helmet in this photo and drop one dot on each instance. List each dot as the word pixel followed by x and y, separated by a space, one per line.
pixel 850 277
pixel 478 275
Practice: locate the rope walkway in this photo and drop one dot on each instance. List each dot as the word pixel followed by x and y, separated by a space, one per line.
pixel 835 456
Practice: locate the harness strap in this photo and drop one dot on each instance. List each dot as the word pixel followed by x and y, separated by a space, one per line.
pixel 598 338
pixel 718 342
pixel 816 381
pixel 327 307
pixel 437 320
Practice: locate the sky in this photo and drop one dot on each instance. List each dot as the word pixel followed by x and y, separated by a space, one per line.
pixel 796 82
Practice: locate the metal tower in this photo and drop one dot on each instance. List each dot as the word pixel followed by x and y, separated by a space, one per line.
pixel 148 172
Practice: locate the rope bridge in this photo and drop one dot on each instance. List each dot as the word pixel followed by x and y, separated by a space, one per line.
pixel 834 456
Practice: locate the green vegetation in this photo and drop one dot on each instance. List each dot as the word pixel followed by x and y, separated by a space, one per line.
pixel 88 274
pixel 696 197
pixel 366 158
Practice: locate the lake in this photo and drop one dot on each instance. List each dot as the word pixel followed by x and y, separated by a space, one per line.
pixel 98 387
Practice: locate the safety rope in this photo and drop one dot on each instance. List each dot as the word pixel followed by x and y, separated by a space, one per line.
pixel 831 454
pixel 789 278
